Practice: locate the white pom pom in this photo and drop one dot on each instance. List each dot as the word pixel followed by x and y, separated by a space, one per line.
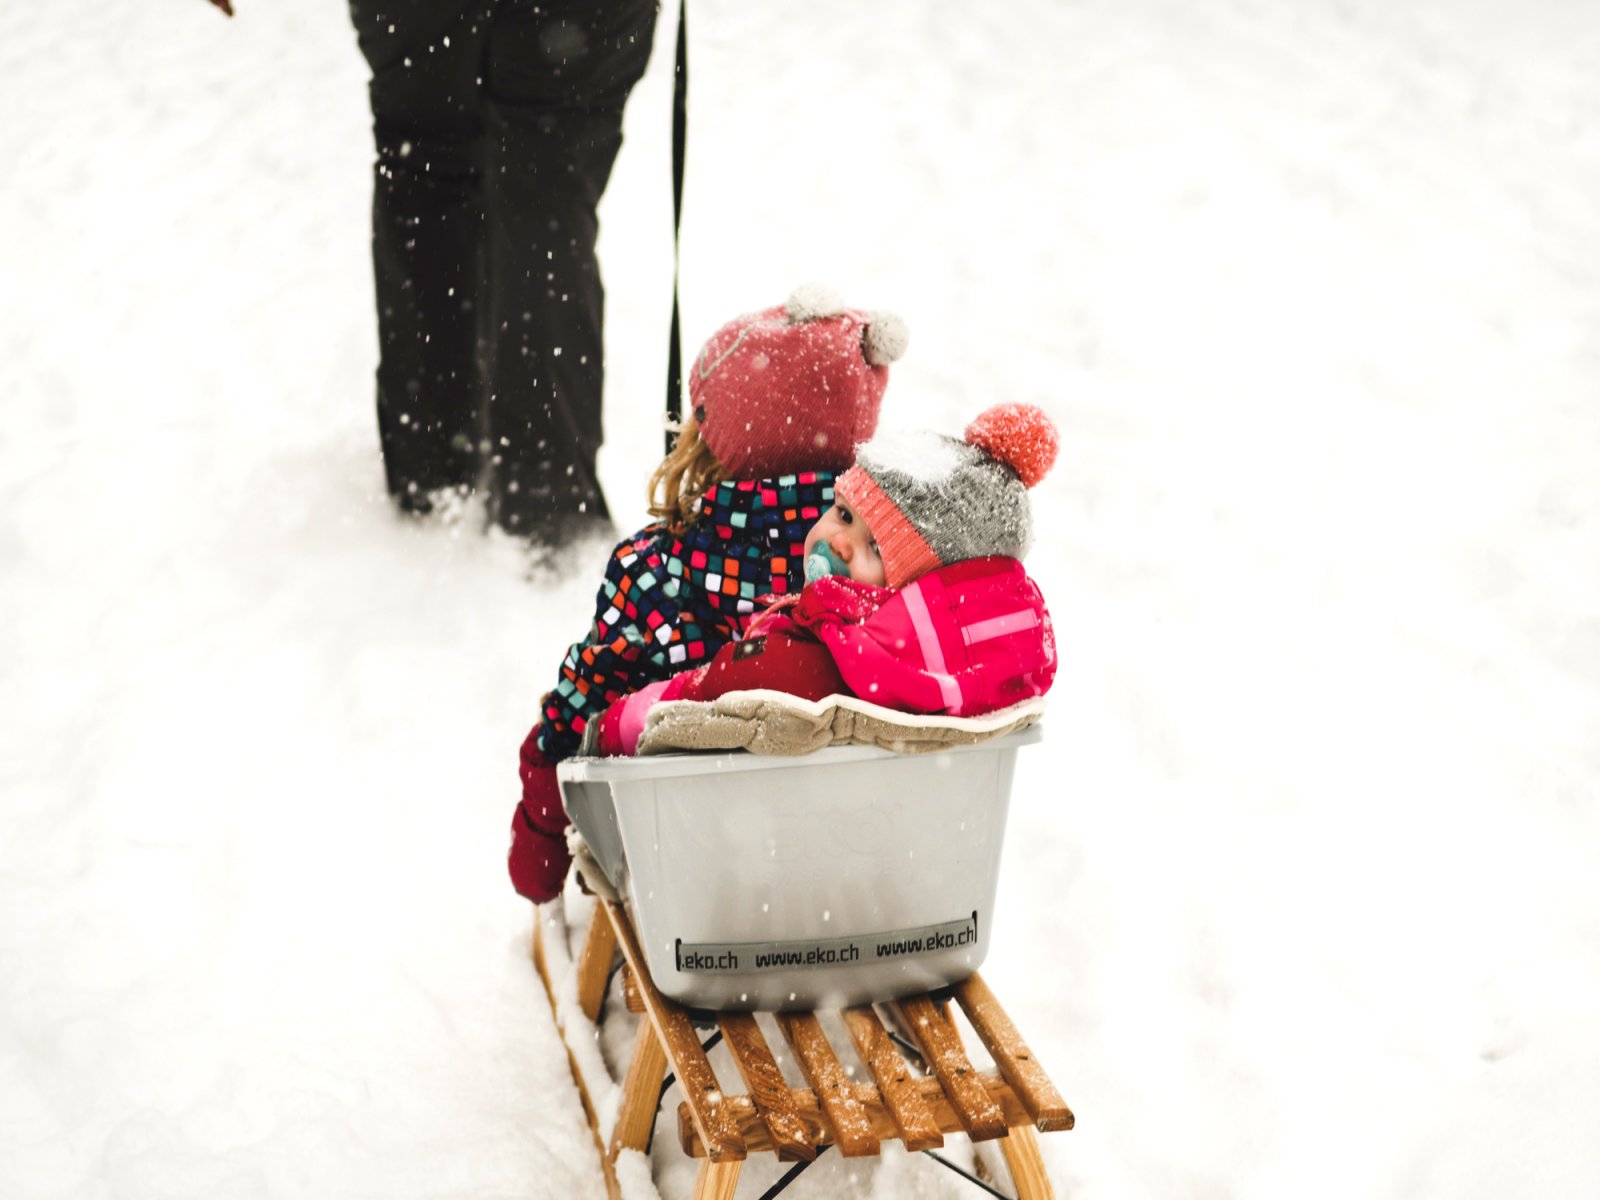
pixel 810 301
pixel 885 340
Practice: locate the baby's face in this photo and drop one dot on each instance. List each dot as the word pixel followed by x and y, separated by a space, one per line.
pixel 851 541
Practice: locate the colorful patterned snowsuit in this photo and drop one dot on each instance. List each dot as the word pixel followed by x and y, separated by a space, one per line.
pixel 668 602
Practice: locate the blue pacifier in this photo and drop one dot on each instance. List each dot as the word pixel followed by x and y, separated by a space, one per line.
pixel 823 562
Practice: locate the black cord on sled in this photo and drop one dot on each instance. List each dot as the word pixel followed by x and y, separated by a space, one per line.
pixel 680 139
pixel 965 1174
pixel 791 1175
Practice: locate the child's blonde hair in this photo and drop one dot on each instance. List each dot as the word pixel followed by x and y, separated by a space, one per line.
pixel 687 473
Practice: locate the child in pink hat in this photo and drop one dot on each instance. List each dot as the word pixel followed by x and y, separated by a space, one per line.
pixel 778 400
pixel 915 599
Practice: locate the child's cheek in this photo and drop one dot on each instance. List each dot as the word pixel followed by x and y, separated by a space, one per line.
pixel 867 568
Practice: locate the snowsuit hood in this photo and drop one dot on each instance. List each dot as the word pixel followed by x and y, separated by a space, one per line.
pixel 963 640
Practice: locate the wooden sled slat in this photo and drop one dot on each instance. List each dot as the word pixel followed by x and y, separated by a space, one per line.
pixel 809 1110
pixel 701 1090
pixel 914 1123
pixel 826 1075
pixel 941 1046
pixel 768 1090
pixel 1011 1055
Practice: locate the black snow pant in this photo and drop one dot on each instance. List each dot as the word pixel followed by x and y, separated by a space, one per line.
pixel 496 123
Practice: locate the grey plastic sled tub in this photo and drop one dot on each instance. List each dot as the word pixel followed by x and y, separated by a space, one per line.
pixel 841 877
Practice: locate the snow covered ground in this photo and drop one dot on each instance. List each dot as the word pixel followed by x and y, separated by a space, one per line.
pixel 1301 890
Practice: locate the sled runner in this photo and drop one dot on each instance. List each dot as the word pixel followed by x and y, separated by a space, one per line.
pixel 770 901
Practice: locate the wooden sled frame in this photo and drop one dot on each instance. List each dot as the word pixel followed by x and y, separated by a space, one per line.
pixel 721 1128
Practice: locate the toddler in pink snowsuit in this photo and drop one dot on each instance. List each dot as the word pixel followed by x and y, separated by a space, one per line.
pixel 915 599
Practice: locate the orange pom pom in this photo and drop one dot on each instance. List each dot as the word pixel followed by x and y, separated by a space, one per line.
pixel 1019 435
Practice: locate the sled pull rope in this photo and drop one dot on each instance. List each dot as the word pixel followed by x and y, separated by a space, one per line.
pixel 680 139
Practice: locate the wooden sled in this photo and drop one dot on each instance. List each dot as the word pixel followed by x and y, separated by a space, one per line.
pixel 722 1126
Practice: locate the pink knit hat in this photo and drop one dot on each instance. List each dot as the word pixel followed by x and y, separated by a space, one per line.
pixel 794 388
pixel 931 500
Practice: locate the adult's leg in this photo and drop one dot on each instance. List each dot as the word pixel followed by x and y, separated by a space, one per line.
pixel 558 74
pixel 427 222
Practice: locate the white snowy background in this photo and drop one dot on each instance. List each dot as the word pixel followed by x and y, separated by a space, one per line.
pixel 1300 894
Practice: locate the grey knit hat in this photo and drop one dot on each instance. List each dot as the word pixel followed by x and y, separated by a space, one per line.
pixel 932 500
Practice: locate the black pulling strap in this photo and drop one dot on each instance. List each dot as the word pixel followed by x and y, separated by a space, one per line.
pixel 680 126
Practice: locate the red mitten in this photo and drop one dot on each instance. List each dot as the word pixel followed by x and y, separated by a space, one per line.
pixel 538 858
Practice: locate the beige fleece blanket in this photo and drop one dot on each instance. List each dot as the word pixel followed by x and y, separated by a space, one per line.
pixel 776 723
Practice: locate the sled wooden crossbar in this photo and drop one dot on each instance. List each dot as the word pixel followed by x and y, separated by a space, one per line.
pixel 722 1126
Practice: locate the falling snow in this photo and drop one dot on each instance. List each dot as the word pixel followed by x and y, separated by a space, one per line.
pixel 1299 889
